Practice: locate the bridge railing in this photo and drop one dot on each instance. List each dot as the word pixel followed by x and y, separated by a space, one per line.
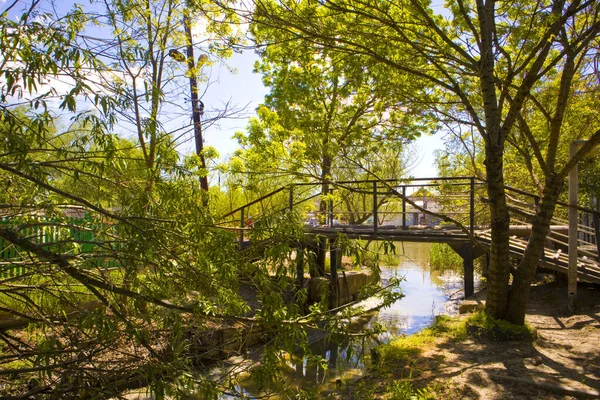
pixel 370 205
pixel 419 203
pixel 522 207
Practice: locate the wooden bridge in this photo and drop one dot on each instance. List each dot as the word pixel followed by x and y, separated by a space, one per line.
pixel 436 210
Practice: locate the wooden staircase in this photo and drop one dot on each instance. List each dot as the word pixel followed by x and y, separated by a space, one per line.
pixel 588 268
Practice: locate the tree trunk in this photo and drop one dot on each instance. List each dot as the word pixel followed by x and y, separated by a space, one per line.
pixel 499 268
pixel 519 291
pixel 323 208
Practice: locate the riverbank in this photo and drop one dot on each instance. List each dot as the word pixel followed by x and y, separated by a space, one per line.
pixel 562 363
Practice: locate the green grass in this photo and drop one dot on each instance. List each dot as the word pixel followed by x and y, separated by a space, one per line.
pixel 481 325
pixel 403 356
pixel 405 349
pixel 442 258
pixel 404 390
pixel 452 328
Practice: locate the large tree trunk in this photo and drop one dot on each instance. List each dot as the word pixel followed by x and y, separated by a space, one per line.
pixel 525 273
pixel 499 268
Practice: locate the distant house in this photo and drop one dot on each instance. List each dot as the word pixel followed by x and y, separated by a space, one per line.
pixel 391 212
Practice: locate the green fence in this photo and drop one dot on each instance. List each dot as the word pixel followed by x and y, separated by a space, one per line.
pixel 64 236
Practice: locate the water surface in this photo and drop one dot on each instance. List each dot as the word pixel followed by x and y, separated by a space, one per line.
pixel 427 293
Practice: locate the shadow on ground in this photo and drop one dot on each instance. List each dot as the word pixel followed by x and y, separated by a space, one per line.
pixel 563 363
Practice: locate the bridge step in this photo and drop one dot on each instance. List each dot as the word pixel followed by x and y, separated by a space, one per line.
pixel 587 270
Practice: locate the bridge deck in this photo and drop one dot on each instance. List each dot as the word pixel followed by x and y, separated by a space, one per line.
pixel 393 232
pixel 418 204
pixel 588 267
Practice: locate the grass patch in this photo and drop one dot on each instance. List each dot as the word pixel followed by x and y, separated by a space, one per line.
pixel 452 328
pixel 403 356
pixel 404 349
pixel 404 390
pixel 482 326
pixel 442 258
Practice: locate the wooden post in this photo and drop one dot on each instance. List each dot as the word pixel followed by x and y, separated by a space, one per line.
pixel 472 208
pixel 375 206
pixel 196 112
pixel 321 255
pixel 573 221
pixel 403 207
pixel 597 232
pixel 468 271
pixel 333 264
pixel 469 277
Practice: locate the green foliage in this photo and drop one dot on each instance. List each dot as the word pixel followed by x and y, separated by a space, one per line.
pixel 404 390
pixel 442 257
pixel 403 350
pixel 482 325
pixel 451 327
pixel 467 67
pixel 129 289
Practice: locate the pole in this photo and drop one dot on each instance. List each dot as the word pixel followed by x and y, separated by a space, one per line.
pixel 241 228
pixel 472 207
pixel 573 221
pixel 333 266
pixel 375 206
pixel 195 108
pixel 403 207
pixel 330 210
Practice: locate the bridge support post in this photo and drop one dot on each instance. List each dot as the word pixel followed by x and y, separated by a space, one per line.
pixel 242 229
pixel 469 279
pixel 375 206
pixel 467 252
pixel 334 261
pixel 321 244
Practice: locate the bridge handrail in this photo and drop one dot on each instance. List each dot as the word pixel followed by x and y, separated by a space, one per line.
pixel 510 188
pixel 336 183
pixel 537 197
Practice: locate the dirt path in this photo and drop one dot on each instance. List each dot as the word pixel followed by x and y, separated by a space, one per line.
pixel 565 356
pixel 563 363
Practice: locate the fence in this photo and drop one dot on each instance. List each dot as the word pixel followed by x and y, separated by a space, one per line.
pixel 68 236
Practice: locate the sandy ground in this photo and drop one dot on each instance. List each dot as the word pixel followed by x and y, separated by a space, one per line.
pixel 563 363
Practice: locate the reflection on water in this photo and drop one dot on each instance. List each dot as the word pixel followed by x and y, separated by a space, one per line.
pixel 427 294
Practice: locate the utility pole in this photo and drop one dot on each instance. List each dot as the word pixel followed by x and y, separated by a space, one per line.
pixel 196 112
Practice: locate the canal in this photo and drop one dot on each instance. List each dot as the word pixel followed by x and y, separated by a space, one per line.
pixel 427 292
